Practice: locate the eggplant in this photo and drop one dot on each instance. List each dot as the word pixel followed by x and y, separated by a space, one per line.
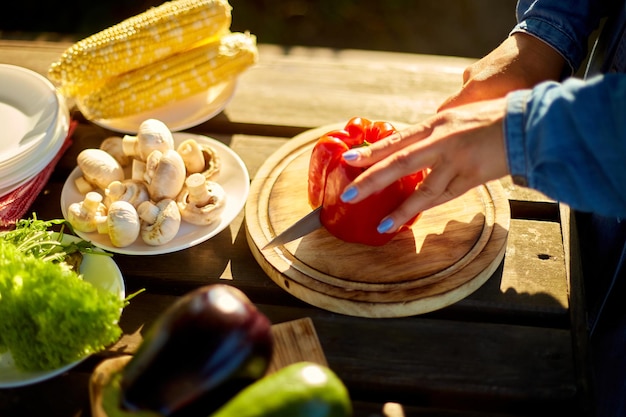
pixel 204 349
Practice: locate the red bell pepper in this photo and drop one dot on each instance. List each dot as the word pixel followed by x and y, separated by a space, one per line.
pixel 329 174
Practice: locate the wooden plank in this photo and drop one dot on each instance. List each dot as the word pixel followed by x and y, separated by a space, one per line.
pixel 532 286
pixel 578 310
pixel 64 395
pixel 394 409
pixel 320 86
pixel 36 56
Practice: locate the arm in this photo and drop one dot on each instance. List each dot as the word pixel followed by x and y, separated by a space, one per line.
pixel 569 141
pixel 521 61
pixel 549 42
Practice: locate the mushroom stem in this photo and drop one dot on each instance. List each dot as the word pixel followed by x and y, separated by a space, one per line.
pixel 192 155
pixel 201 201
pixel 148 212
pixel 85 216
pixel 138 170
pixel 198 191
pixel 91 203
pixel 135 192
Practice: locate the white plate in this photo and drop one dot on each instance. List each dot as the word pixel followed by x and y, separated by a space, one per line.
pixel 28 110
pixel 23 168
pixel 103 273
pixel 177 116
pixel 233 177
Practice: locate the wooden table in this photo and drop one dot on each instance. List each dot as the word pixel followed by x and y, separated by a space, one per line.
pixel 514 347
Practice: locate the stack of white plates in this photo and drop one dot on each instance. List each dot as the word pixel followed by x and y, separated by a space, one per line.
pixel 34 121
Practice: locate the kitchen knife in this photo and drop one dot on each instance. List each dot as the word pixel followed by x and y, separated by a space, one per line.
pixel 304 226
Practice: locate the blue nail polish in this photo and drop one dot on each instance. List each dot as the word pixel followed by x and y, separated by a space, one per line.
pixel 349 194
pixel 351 155
pixel 385 225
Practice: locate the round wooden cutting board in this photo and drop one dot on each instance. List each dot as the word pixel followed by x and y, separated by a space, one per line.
pixel 448 254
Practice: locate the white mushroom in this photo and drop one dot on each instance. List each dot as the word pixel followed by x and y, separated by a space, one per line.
pixel 135 192
pixel 199 157
pixel 165 174
pixel 152 135
pixel 114 147
pixel 191 152
pixel 84 216
pixel 159 222
pixel 122 224
pixel 201 201
pixel 99 168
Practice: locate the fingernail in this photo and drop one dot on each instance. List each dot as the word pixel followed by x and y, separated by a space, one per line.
pixel 349 194
pixel 351 155
pixel 385 225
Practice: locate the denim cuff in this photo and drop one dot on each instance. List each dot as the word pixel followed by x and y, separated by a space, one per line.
pixel 558 39
pixel 514 136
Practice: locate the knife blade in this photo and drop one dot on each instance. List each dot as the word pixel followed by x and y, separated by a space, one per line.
pixel 304 226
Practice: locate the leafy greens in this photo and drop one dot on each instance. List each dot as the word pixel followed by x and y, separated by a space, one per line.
pixel 49 316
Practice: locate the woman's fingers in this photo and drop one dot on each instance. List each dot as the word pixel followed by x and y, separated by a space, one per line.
pixel 439 187
pixel 368 155
pixel 398 164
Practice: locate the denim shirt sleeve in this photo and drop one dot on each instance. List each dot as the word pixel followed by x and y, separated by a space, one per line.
pixel 564 24
pixel 568 141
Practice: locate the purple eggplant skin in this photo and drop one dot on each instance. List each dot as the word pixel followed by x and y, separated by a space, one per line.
pixel 198 354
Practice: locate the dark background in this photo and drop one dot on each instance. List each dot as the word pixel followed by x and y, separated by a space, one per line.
pixel 467 28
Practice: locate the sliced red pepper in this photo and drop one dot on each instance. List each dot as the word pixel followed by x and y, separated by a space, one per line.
pixel 329 175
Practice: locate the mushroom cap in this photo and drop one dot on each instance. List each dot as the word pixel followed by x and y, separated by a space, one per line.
pixel 123 223
pixel 113 146
pixel 165 174
pixel 152 135
pixel 99 167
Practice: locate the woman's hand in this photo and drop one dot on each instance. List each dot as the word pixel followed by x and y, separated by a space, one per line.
pixel 463 147
pixel 521 61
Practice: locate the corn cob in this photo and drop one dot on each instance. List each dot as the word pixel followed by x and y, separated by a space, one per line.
pixel 156 33
pixel 171 79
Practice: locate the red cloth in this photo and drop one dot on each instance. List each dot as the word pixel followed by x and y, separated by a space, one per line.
pixel 16 203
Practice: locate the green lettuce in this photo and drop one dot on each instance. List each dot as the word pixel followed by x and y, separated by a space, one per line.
pixel 49 316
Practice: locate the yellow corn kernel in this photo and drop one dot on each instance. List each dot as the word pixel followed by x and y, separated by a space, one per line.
pixel 171 79
pixel 149 36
